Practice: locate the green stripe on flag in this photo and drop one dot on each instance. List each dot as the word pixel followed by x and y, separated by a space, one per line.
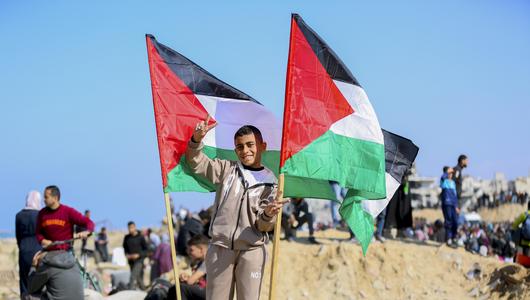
pixel 353 163
pixel 361 222
pixel 181 179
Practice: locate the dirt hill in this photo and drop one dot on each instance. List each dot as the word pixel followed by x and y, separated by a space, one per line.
pixel 337 270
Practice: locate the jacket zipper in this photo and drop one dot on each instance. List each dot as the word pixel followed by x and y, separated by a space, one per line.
pixel 241 206
pixel 217 210
pixel 245 186
pixel 238 217
pixel 245 191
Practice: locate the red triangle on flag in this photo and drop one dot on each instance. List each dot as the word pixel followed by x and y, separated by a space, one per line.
pixel 312 100
pixel 177 111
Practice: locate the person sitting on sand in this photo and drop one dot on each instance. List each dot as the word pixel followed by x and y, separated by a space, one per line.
pixel 296 217
pixel 193 287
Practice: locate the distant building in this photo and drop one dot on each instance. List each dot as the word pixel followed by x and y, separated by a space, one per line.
pixel 424 191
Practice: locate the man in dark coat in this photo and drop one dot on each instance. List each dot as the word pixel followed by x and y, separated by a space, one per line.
pixel 28 245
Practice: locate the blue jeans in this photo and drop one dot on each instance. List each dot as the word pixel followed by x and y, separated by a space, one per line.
pixel 380 223
pixel 451 221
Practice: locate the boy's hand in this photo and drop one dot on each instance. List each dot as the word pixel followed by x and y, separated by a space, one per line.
pixel 274 207
pixel 184 277
pixel 202 129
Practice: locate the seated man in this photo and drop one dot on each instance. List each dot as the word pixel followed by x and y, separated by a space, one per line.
pixel 296 215
pixel 193 287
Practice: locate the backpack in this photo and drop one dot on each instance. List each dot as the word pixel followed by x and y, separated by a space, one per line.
pixel 525 230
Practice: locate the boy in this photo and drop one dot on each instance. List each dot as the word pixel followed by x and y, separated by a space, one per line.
pixel 245 209
pixel 450 207
pixel 193 287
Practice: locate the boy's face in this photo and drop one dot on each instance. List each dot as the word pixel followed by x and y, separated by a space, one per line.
pixel 450 173
pixel 197 251
pixel 249 150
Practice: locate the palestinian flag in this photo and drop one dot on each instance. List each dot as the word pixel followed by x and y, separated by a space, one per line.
pixel 330 129
pixel 184 94
pixel 400 153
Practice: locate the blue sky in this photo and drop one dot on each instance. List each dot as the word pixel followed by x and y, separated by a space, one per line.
pixel 76 106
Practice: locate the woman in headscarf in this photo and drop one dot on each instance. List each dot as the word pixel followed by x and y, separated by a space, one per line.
pixel 25 224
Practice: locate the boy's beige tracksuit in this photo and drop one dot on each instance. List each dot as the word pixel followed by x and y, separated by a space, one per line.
pixel 239 227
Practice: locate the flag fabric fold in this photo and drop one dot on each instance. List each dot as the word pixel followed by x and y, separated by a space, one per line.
pixel 400 153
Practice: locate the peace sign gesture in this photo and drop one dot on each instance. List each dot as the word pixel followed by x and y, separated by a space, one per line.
pixel 202 129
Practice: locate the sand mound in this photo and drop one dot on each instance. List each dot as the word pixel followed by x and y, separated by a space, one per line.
pixel 394 270
pixel 503 213
pixel 337 270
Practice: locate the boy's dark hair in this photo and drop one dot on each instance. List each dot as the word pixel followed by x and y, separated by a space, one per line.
pixel 87 211
pixel 445 169
pixel 54 190
pixel 198 240
pixel 249 129
pixel 103 228
pixel 130 223
pixel 461 158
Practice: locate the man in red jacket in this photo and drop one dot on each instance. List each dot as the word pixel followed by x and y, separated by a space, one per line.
pixel 55 268
pixel 56 221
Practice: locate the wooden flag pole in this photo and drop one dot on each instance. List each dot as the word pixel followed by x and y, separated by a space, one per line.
pixel 276 245
pixel 172 243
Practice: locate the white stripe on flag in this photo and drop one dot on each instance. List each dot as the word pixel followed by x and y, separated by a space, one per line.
pixel 231 114
pixel 375 207
pixel 363 123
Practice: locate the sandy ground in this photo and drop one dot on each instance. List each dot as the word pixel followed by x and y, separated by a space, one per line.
pixel 504 213
pixel 337 270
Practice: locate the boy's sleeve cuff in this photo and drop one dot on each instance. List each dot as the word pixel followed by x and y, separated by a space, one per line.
pixel 194 145
pixel 265 217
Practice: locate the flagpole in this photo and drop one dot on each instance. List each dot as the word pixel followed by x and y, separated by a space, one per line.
pixel 169 217
pixel 276 245
pixel 281 179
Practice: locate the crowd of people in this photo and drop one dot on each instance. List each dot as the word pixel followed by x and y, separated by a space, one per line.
pixel 504 240
pixel 225 244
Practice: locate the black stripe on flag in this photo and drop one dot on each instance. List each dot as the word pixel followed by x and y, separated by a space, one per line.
pixel 199 81
pixel 336 69
pixel 400 153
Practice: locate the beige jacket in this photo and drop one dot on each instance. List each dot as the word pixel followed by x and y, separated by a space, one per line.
pixel 238 220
